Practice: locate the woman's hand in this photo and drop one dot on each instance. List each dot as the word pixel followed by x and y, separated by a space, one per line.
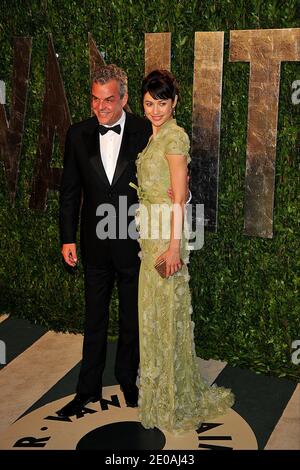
pixel 173 262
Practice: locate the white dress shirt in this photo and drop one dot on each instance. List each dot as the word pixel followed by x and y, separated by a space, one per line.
pixel 110 144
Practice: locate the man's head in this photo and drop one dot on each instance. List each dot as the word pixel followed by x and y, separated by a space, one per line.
pixel 109 93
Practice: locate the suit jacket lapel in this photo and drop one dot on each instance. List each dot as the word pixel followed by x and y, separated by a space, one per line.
pixel 126 153
pixel 123 157
pixel 93 149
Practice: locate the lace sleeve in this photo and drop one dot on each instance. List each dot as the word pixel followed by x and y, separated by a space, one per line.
pixel 177 143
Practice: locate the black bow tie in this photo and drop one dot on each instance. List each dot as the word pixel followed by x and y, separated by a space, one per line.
pixel 103 129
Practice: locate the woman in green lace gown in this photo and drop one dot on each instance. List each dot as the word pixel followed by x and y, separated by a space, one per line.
pixel 173 396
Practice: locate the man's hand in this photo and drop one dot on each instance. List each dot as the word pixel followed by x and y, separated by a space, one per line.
pixel 69 254
pixel 188 194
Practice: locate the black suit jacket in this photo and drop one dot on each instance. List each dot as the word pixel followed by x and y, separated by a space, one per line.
pixel 84 181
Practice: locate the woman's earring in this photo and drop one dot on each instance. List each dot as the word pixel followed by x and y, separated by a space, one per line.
pixel 173 111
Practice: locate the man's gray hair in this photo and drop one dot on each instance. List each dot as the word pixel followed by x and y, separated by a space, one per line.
pixel 111 72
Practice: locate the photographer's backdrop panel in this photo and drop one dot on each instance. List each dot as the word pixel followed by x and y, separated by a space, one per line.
pixel 245 279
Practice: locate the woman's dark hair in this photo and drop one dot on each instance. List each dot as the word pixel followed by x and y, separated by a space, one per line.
pixel 161 85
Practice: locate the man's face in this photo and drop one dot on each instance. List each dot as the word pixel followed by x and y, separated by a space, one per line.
pixel 106 102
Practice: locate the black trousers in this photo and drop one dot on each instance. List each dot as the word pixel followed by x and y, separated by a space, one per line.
pixel 121 265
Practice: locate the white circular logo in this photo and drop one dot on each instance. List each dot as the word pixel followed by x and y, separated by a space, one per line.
pixel 110 424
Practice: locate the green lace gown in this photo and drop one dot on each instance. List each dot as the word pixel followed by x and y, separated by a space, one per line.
pixel 173 396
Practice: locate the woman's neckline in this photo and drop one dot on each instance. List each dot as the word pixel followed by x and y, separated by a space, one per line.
pixel 163 126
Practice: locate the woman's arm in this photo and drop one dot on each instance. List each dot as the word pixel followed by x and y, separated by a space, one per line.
pixel 178 177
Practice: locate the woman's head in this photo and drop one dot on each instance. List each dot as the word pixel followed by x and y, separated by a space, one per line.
pixel 160 84
pixel 160 95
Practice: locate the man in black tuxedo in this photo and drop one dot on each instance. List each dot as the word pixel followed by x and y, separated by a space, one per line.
pixel 99 164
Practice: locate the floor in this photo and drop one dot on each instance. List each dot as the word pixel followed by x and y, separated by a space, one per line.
pixel 39 372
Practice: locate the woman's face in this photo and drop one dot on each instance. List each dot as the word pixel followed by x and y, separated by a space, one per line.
pixel 158 111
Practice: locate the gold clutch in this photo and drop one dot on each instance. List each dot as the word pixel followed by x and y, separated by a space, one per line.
pixel 161 267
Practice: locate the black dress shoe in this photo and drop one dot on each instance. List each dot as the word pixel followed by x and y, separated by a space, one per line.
pixel 131 395
pixel 75 406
